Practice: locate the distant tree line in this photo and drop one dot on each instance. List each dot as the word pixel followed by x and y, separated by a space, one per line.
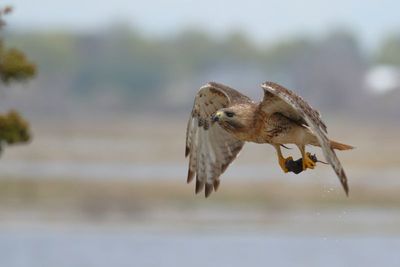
pixel 136 68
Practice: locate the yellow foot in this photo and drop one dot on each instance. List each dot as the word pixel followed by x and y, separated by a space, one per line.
pixel 308 163
pixel 282 163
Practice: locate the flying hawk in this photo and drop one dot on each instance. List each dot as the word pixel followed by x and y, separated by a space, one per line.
pixel 223 119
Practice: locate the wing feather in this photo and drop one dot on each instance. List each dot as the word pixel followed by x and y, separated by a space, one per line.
pixel 280 99
pixel 210 148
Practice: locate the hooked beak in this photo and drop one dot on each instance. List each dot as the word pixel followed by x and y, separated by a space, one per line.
pixel 216 116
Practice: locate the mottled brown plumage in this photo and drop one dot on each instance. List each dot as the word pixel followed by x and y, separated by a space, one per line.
pixel 223 119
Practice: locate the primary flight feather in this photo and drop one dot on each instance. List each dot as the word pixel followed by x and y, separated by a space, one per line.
pixel 223 119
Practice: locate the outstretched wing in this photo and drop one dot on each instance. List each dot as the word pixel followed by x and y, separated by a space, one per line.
pixel 210 148
pixel 279 99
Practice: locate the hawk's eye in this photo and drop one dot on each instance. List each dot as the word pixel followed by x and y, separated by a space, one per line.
pixel 229 114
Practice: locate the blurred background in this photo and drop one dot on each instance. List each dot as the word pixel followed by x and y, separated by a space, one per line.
pixel 103 180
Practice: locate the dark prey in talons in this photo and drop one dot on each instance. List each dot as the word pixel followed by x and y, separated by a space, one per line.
pixel 296 166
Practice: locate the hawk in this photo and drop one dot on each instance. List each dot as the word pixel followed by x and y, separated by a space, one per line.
pixel 223 119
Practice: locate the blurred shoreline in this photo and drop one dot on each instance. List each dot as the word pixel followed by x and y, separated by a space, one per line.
pixel 271 205
pixel 136 171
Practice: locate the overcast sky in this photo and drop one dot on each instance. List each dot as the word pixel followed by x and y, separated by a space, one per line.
pixel 260 19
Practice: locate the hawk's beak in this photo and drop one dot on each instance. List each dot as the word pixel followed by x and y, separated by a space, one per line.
pixel 216 116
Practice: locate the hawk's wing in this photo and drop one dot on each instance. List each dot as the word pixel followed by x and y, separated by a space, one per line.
pixel 279 99
pixel 209 147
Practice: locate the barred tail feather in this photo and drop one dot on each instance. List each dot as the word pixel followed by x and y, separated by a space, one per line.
pixel 340 146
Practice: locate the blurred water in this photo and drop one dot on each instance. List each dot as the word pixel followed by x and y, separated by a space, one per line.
pixel 177 170
pixel 105 170
pixel 104 247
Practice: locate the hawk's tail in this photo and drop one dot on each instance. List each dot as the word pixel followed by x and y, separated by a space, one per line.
pixel 340 146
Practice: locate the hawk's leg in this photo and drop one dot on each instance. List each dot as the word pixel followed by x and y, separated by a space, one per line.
pixel 281 159
pixel 308 162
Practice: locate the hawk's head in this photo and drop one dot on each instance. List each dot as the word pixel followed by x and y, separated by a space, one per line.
pixel 234 118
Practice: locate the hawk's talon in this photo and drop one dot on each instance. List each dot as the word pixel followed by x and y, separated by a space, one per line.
pixel 308 162
pixel 282 163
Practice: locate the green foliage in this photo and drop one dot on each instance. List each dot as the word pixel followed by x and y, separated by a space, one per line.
pixel 14 67
pixel 13 128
